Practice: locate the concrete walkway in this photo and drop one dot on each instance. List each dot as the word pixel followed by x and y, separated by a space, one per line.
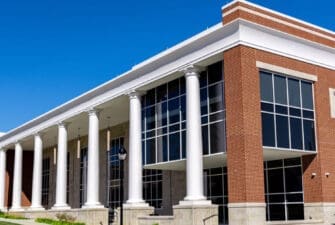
pixel 22 222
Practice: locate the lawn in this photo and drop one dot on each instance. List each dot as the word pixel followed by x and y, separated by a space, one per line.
pixel 8 223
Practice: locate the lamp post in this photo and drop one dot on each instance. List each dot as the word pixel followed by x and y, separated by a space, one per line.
pixel 122 157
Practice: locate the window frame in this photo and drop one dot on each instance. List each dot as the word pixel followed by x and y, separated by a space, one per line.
pixel 288 107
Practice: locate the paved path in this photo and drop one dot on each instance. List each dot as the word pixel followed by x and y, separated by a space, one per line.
pixel 22 222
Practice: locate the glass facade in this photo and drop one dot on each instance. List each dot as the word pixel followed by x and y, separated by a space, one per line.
pixel 216 189
pixel 153 187
pixel 164 118
pixel 113 171
pixel 83 176
pixel 284 190
pixel 287 112
pixel 45 182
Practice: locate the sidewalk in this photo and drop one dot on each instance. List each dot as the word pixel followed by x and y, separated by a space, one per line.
pixel 22 222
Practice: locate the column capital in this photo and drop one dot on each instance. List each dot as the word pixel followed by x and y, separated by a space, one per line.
pixel 135 94
pixel 63 124
pixel 93 110
pixel 39 134
pixel 2 149
pixel 192 70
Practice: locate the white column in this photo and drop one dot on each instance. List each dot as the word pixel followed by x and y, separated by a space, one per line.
pixel 2 179
pixel 194 162
pixel 37 174
pixel 61 168
pixel 135 152
pixel 93 161
pixel 17 182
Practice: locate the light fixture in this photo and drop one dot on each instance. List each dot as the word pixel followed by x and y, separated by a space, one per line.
pixel 122 157
pixel 108 135
pixel 55 152
pixel 327 174
pixel 313 175
pixel 122 154
pixel 78 144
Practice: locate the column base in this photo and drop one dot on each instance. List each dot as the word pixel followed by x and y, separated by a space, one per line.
pixel 131 212
pixel 196 213
pixel 94 205
pixel 61 207
pixel 320 211
pixel 247 213
pixel 16 209
pixel 36 208
pixel 195 203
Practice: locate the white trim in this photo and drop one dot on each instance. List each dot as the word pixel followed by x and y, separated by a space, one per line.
pixel 280 14
pixel 283 70
pixel 332 102
pixel 279 21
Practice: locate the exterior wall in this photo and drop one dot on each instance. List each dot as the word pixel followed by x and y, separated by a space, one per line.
pixel 246 179
pixel 27 175
pixel 243 122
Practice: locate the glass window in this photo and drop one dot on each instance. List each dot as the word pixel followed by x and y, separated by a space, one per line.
pixel 113 176
pixel 296 133
pixel 173 88
pixel 294 92
pixel 283 189
pixel 292 110
pixel 215 73
pixel 282 132
pixel 266 87
pixel 153 187
pixel 280 89
pixel 164 117
pixel 216 189
pixel 309 135
pixel 174 140
pixel 268 129
pixel 45 182
pixel 307 95
pixel 217 142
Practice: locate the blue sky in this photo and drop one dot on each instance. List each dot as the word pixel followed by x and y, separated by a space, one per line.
pixel 52 51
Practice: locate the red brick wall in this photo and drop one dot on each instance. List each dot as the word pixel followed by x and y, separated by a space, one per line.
pixel 244 146
pixel 244 150
pixel 243 14
pixel 27 171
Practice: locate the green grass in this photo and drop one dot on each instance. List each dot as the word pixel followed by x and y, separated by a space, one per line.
pixel 8 223
pixel 56 222
pixel 10 216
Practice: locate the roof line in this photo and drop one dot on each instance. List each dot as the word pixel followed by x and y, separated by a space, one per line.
pixel 280 14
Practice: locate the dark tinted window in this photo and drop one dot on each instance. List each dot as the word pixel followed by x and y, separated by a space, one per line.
pixel 268 130
pixel 294 92
pixel 266 87
pixel 280 89
pixel 282 132
pixel 307 95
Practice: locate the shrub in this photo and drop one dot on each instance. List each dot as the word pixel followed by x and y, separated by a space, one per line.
pixel 56 222
pixel 65 217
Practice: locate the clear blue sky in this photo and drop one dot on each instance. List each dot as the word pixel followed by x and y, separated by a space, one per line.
pixel 52 51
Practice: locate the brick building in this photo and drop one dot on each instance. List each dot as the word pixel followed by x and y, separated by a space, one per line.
pixel 232 126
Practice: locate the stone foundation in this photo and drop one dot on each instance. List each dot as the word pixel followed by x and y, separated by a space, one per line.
pixel 88 216
pixel 132 213
pixel 247 213
pixel 320 211
pixel 195 214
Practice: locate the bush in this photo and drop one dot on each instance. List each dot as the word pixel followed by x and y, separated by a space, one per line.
pixel 11 216
pixel 56 222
